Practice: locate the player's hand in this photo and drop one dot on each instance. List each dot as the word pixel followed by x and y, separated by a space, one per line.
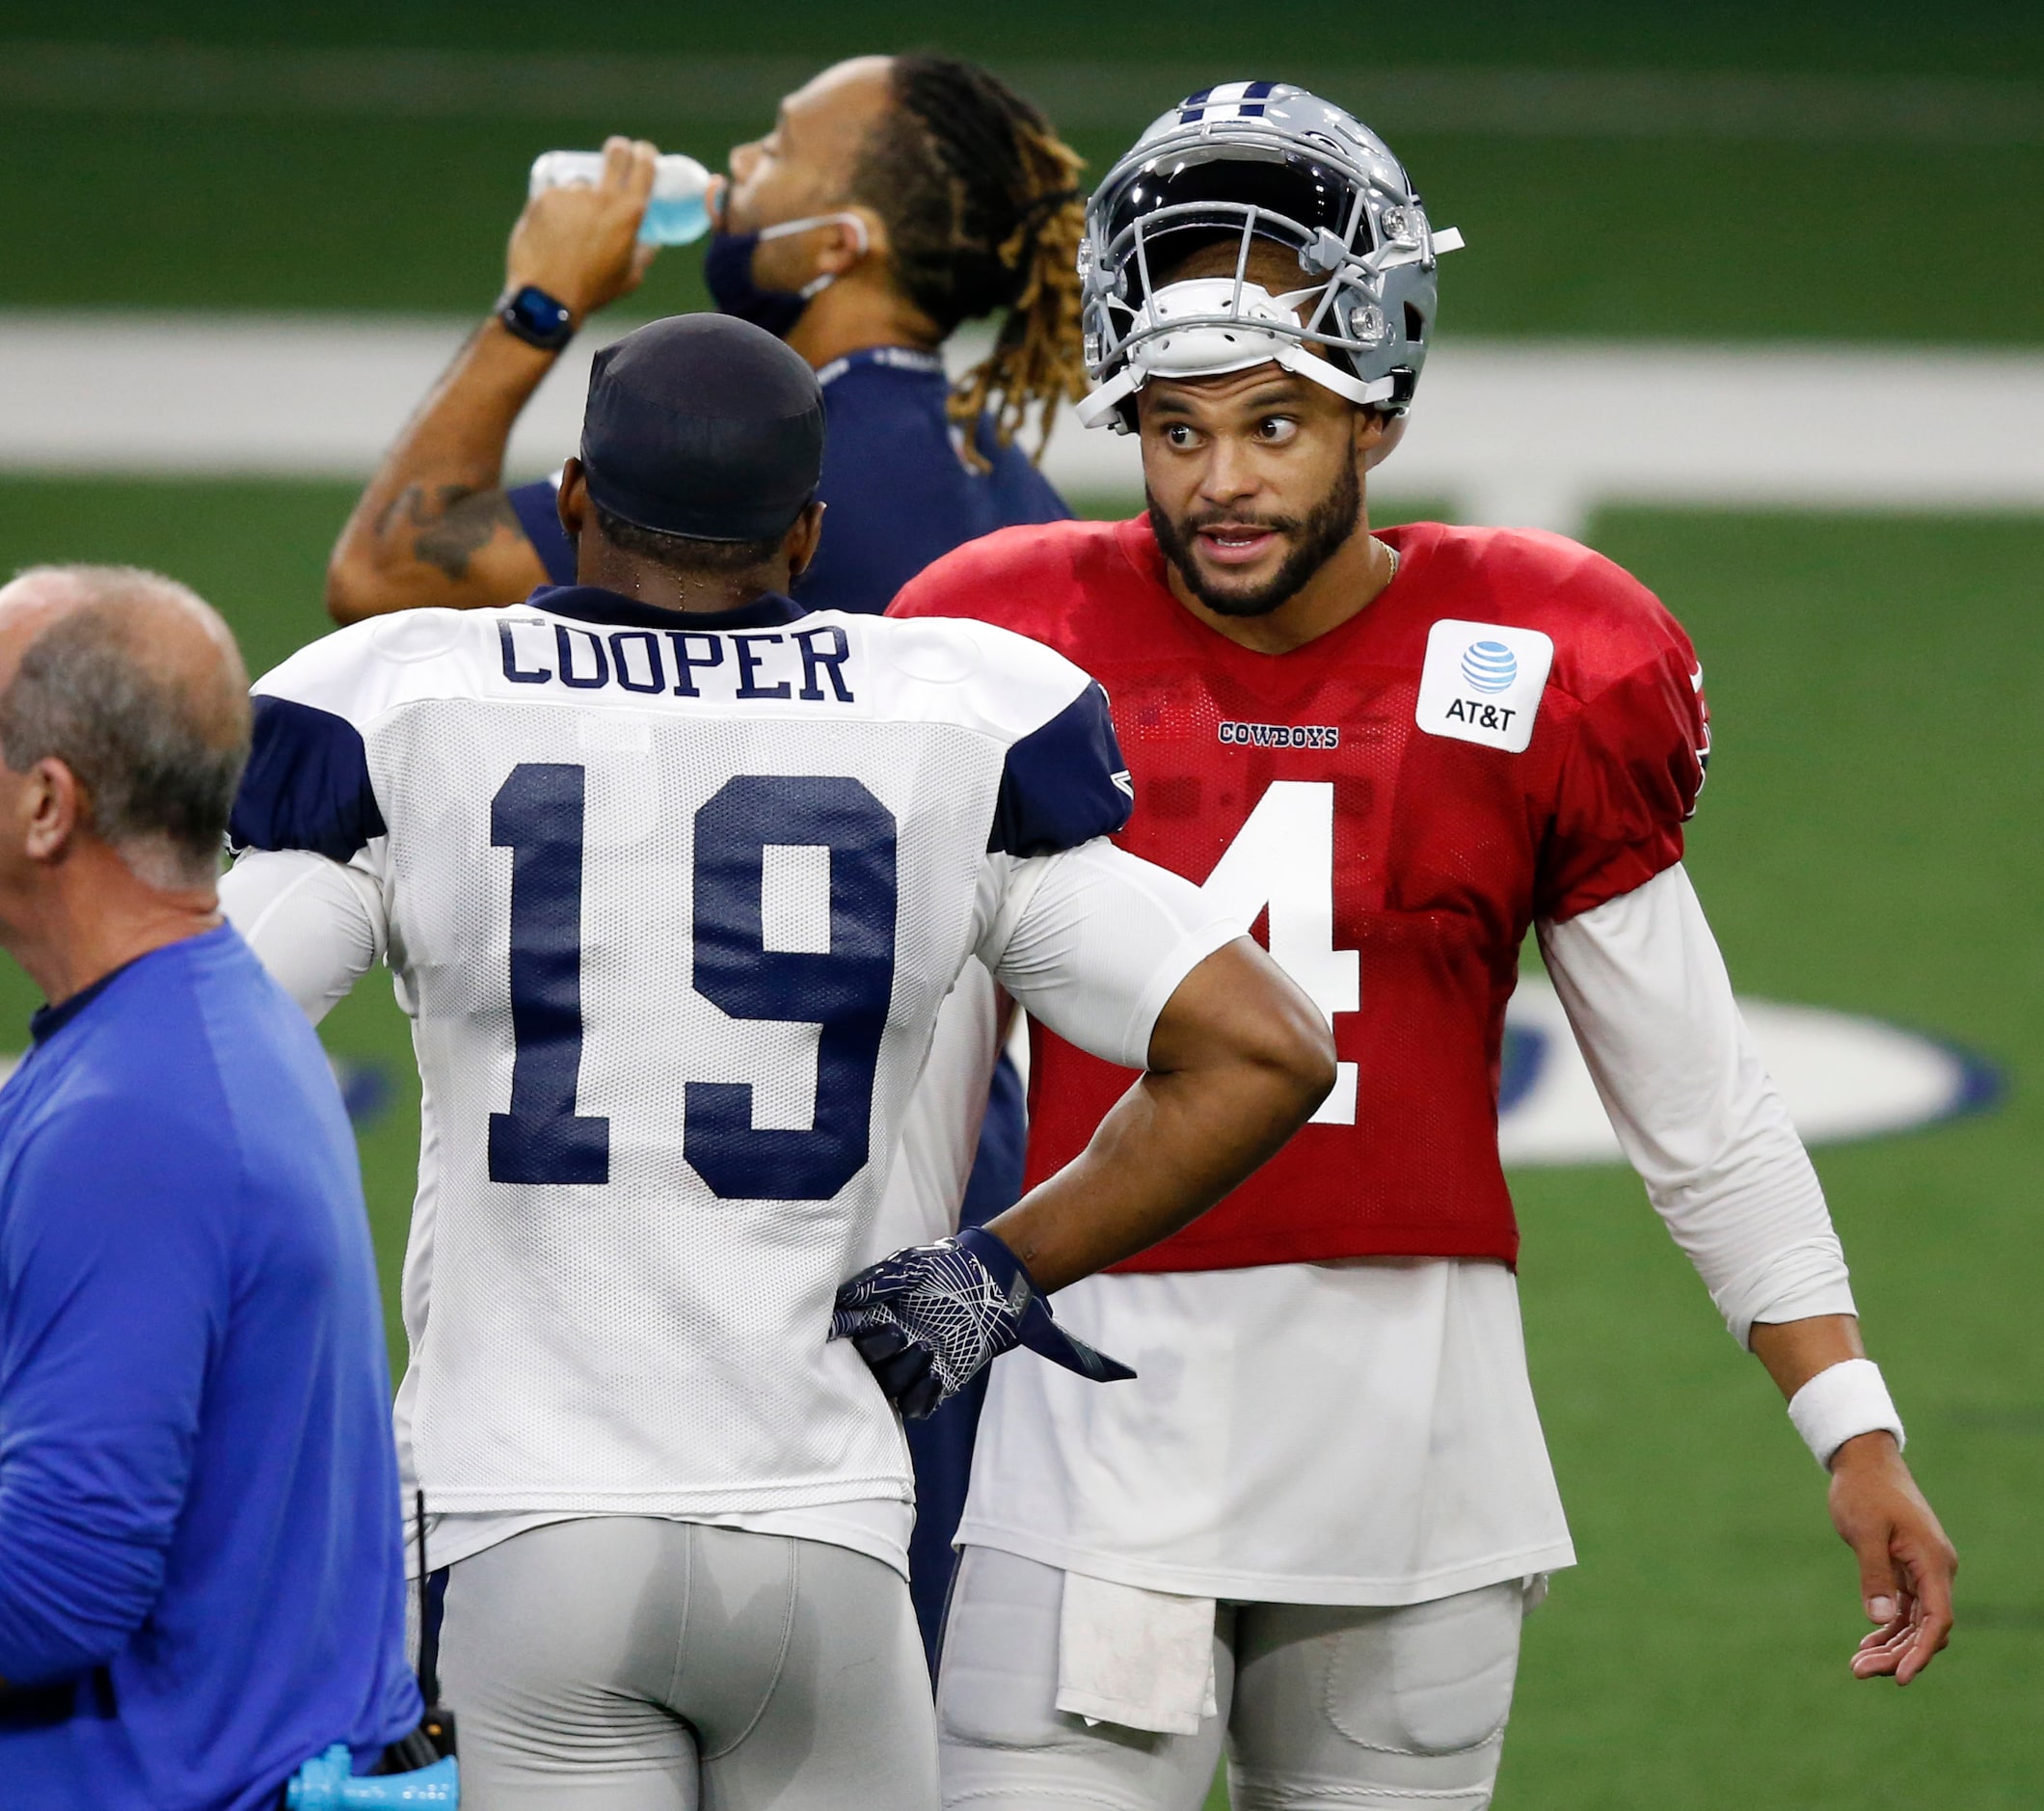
pixel 1906 1564
pixel 931 1317
pixel 580 244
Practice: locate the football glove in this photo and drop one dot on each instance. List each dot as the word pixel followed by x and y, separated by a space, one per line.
pixel 931 1317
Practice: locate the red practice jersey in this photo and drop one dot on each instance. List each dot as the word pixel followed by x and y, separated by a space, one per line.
pixel 1514 729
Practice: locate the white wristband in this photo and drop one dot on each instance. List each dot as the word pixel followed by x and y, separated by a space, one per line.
pixel 1840 1403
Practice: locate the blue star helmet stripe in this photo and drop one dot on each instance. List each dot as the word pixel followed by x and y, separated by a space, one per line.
pixel 1226 100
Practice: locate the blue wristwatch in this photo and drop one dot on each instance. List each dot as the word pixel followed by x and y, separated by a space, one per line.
pixel 537 318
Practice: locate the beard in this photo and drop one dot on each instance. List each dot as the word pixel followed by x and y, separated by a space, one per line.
pixel 1316 537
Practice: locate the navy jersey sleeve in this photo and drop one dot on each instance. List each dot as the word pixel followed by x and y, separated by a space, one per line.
pixel 306 784
pixel 119 1290
pixel 533 506
pixel 1064 784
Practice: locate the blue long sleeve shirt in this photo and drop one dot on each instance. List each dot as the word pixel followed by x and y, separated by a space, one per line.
pixel 200 1551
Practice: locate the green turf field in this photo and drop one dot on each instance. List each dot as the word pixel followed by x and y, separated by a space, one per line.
pixel 1869 840
pixel 1972 37
pixel 261 204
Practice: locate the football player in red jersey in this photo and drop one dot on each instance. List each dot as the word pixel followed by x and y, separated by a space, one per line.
pixel 1311 1527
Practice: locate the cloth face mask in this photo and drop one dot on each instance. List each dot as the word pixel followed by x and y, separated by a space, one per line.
pixel 727 271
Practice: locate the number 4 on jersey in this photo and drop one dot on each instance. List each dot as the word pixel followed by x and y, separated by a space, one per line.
pixel 1283 857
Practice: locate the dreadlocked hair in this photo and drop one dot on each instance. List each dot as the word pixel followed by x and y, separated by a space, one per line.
pixel 984 214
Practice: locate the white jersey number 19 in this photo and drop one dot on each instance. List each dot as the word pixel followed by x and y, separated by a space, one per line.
pixel 1283 857
pixel 747 964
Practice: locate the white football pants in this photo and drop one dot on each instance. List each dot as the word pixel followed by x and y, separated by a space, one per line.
pixel 1320 1707
pixel 630 1663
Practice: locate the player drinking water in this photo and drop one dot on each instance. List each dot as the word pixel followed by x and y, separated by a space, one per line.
pixel 1308 1529
pixel 895 199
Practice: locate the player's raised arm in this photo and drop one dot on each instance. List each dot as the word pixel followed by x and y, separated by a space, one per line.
pixel 435 527
pixel 1129 962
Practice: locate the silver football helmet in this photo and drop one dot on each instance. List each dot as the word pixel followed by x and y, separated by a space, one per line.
pixel 1246 161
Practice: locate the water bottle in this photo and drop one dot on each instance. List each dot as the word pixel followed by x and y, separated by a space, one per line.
pixel 678 211
pixel 328 1782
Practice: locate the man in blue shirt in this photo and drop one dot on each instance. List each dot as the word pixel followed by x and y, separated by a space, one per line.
pixel 895 199
pixel 201 1573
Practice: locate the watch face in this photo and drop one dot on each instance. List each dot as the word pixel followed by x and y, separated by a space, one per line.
pixel 539 318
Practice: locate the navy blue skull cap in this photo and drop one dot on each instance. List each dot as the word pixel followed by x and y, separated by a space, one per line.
pixel 703 425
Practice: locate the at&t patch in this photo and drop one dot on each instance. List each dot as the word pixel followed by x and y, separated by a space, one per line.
pixel 1482 683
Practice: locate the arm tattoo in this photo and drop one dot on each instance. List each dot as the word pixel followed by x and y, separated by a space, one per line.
pixel 448 523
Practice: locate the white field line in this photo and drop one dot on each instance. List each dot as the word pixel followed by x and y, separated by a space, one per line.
pixel 1516 432
pixel 1079 94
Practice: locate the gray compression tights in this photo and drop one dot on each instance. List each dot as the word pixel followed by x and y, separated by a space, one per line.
pixel 628 1664
pixel 1321 1708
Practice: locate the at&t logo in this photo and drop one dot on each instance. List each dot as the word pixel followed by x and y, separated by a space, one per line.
pixel 1489 667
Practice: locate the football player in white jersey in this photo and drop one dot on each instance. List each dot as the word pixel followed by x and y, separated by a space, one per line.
pixel 673 880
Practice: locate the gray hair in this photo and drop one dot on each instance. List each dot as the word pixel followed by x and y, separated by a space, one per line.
pixel 157 744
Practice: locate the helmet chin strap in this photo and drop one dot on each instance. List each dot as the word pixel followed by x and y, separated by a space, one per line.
pixel 1209 326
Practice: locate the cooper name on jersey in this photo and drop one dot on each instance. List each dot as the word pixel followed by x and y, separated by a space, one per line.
pixel 806 665
pixel 1482 683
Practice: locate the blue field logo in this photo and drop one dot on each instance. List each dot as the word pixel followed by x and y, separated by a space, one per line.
pixel 1489 666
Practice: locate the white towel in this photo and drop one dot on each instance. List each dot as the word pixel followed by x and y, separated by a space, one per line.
pixel 1144 1660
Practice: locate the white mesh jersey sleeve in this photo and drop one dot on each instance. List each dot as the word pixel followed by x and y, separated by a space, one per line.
pixel 319 926
pixel 673 904
pixel 1693 1106
pixel 940 1134
pixel 1094 941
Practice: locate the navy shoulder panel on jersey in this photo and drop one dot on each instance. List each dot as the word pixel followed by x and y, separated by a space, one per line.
pixel 534 505
pixel 306 784
pixel 1065 783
